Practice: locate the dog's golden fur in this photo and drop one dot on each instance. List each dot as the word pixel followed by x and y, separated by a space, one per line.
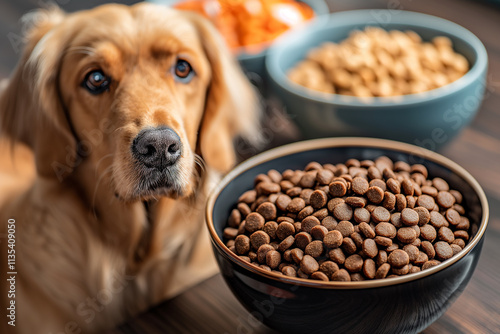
pixel 95 242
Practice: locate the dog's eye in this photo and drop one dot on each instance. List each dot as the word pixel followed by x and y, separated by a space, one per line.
pixel 183 71
pixel 96 82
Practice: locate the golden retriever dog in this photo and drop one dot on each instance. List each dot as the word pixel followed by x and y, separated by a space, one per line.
pixel 115 123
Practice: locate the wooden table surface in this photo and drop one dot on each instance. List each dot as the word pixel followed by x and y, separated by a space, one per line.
pixel 211 308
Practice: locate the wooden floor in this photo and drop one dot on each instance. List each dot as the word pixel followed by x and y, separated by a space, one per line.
pixel 211 308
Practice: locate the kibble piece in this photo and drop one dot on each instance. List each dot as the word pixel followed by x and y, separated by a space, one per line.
pixel 324 176
pixel 428 190
pixel 244 209
pixel 345 227
pixel 318 199
pixel 453 217
pixel 430 264
pixel 383 270
pixel 356 202
pixel 267 188
pixel 398 258
pixel 369 268
pixel 273 259
pixel 254 222
pixel 329 268
pixel 401 271
pixel 296 205
pixel 459 242
pixel 375 194
pixel 461 234
pixel 294 192
pixel 455 248
pixel 301 274
pixel 361 215
pixel 284 230
pixel 458 196
pixel 289 271
pixel 410 217
pixel 428 249
pixel 443 250
pixel 392 184
pixel 428 232
pixel 283 201
pixel 334 202
pixel 308 223
pixel 307 211
pixel 370 248
pixel 267 210
pixel 329 222
pixel 437 220
pixel 259 238
pixel 445 199
pixel 319 276
pixel 426 201
pixel 357 238
pixel 297 255
pixel 380 214
pixel 446 234
pixel 230 233
pixel 242 244
pixel 423 215
pixel 406 235
pixel 383 241
pixel 318 232
pixel 464 224
pixel 303 239
pixel 234 218
pixel 343 212
pixel 412 252
pixel 440 184
pixel 385 230
pixel 354 263
pixel 248 197
pixel 421 259
pixel 308 265
pixel 333 239
pixel 286 243
pixel 337 256
pixel 349 245
pixel 262 252
pixel 314 248
pixel 341 275
pixel 270 228
pixel 407 187
pixel 389 201
pixel 321 214
pixel 338 188
pixel 359 185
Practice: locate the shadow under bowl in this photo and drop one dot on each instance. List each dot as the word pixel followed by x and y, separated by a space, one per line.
pixel 429 119
pixel 406 304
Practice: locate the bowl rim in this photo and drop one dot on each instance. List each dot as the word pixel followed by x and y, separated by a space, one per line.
pixel 363 16
pixel 301 146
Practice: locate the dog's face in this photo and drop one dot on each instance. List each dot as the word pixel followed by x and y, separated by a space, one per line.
pixel 142 93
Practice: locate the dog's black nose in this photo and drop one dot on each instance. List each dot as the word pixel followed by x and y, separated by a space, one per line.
pixel 157 147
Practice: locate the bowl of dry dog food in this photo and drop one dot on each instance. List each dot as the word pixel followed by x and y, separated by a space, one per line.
pixel 410 77
pixel 250 26
pixel 356 235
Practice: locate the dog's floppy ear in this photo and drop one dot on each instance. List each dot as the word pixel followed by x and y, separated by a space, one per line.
pixel 231 107
pixel 30 106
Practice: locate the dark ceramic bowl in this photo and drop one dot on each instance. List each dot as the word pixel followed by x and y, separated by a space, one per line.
pixel 406 304
pixel 428 119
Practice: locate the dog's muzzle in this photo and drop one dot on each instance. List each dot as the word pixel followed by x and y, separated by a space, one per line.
pixel 158 148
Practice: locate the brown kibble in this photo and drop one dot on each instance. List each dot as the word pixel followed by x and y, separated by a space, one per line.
pixel 426 201
pixel 286 243
pixel 314 248
pixel 428 232
pixel 289 271
pixel 464 224
pixel 385 230
pixel 318 232
pixel 381 257
pixel 242 244
pixel 329 268
pixel 356 202
pixel 354 263
pixel 349 246
pixel 296 205
pixel 267 210
pixel 407 187
pixel 458 196
pixel 367 230
pixel 421 259
pixel 398 258
pixel 273 259
pixel 459 242
pixel 345 227
pixel 338 188
pixel 337 256
pixel 393 185
pixel 359 185
pixel 297 254
pixel 423 215
pixel 341 275
pixel 428 190
pixel 382 271
pixel 380 214
pixel 234 218
pixel 430 264
pixel 389 201
pixel 308 180
pixel 319 276
pixel 329 222
pixel 230 233
pixel 461 234
pixel 259 238
pixel 303 239
pixel 267 188
pixel 321 213
pixel 333 239
pixel 396 220
pixel 308 223
pixel 455 248
pixel 406 235
pixel 412 252
pixel 370 248
pixel 453 217
pixel 369 268
pixel 262 252
pixel 410 217
pixel 244 209
pixel 343 212
pixel 361 215
pixel 418 168
pixel 318 199
pixel 254 222
pixel 307 211
pixel 445 199
pixel 375 194
pixel 270 228
pixel 284 230
pixel 334 202
pixel 294 192
pixel 410 201
pixel 324 176
pixel 428 249
pixel 248 197
pixel 283 201
pixel 446 234
pixel 383 241
pixel 308 265
pixel 443 250
pixel 437 220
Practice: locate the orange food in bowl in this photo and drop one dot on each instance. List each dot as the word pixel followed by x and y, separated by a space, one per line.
pixel 250 24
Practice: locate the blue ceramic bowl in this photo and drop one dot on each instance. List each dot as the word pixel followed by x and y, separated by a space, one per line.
pixel 254 63
pixel 406 304
pixel 427 119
